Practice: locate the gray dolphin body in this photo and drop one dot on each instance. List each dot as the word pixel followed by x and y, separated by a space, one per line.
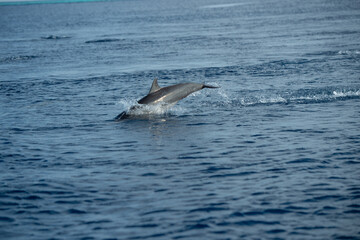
pixel 166 95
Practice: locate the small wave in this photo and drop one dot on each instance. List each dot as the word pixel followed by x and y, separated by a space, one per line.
pixel 30 2
pixel 54 37
pixel 18 58
pixel 334 53
pixel 254 222
pixel 226 5
pixel 105 40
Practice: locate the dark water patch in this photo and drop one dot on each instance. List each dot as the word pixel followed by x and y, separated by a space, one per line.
pixel 353 189
pixel 354 211
pixel 221 232
pixel 280 170
pixel 75 211
pixel 258 193
pixel 149 225
pixel 32 159
pixel 97 221
pixel 150 174
pixel 324 189
pixel 213 169
pixel 51 128
pixel 197 226
pixel 263 212
pixel 302 160
pixel 151 236
pixel 352 162
pixel 312 227
pixel 48 212
pixel 88 238
pixel 354 206
pixel 345 237
pixel 17 130
pixel 191 156
pixel 255 222
pixel 30 206
pixel 246 173
pixel 297 209
pixel 8 203
pixel 237 214
pixel 209 209
pixel 329 208
pixel 276 211
pixel 22 212
pixel 16 191
pixel 33 198
pixel 198 124
pixel 2 195
pixel 67 202
pixel 159 211
pixel 275 231
pixel 55 192
pixel 161 190
pixel 342 154
pixel 301 130
pixel 252 213
pixel 6 219
pixel 336 178
pixel 355 194
pixel 326 198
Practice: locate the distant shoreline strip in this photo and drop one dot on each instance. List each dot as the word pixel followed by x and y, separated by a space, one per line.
pixel 29 2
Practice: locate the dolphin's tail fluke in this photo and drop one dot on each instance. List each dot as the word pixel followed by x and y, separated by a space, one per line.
pixel 209 86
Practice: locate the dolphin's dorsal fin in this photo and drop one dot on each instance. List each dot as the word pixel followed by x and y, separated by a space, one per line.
pixel 155 86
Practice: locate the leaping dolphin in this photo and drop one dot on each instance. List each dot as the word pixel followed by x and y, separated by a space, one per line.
pixel 169 95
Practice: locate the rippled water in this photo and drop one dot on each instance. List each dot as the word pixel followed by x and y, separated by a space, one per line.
pixel 273 153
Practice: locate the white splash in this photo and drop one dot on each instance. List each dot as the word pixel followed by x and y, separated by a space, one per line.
pixel 346 93
pixel 133 108
pixel 277 99
pixel 349 52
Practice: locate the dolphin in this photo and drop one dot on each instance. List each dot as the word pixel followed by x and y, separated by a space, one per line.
pixel 168 96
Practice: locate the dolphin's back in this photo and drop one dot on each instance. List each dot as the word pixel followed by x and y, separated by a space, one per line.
pixel 171 94
pixel 167 95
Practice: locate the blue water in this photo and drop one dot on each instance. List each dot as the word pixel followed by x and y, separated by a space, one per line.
pixel 272 154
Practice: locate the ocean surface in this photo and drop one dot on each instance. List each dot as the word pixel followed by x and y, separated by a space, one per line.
pixel 274 153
